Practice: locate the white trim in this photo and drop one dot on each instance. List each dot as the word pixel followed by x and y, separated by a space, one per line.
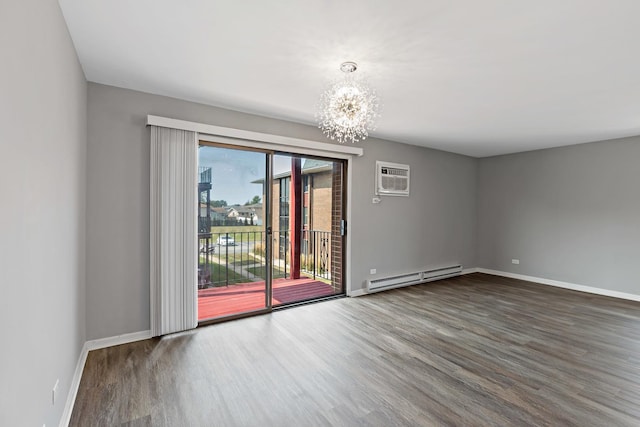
pixel 565 285
pixel 118 340
pixel 358 293
pixel 347 277
pixel 239 135
pixel 73 388
pixel 269 146
pixel 469 271
pixel 82 358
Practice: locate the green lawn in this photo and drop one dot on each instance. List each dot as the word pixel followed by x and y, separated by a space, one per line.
pixel 261 272
pixel 237 259
pixel 240 233
pixel 218 275
pixel 248 261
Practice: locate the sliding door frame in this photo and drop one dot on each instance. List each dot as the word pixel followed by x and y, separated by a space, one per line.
pixel 346 156
pixel 247 138
pixel 343 165
pixel 267 226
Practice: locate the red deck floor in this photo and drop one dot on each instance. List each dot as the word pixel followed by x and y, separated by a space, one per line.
pixel 243 297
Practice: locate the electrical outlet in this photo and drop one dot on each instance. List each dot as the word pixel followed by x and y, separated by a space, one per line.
pixel 515 261
pixel 373 271
pixel 53 392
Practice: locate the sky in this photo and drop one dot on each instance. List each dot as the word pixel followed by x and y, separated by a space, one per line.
pixel 233 170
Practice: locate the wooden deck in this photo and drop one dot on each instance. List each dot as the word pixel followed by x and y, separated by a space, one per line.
pixel 244 297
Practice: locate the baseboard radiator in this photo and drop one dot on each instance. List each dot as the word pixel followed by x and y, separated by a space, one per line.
pixel 406 279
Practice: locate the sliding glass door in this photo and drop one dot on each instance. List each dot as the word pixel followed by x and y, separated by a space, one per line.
pixel 270 230
pixel 232 232
pixel 308 232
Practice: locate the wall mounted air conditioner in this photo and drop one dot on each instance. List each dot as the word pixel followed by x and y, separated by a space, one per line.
pixel 392 179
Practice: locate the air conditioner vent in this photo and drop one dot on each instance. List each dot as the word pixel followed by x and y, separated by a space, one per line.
pixel 392 179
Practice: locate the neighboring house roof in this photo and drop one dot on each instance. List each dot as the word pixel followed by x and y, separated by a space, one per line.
pixel 236 211
pixel 255 206
pixel 255 209
pixel 221 210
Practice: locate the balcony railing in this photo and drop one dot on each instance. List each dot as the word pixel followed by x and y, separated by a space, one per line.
pixel 316 247
pixel 205 175
pixel 204 224
pixel 239 257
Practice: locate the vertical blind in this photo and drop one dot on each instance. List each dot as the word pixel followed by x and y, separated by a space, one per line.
pixel 174 251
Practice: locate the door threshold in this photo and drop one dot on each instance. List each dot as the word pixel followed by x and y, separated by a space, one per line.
pixel 221 319
pixel 307 302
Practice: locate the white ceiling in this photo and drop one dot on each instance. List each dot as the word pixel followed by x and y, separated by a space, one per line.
pixel 474 77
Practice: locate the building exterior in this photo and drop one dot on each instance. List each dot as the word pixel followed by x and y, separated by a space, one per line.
pixel 316 221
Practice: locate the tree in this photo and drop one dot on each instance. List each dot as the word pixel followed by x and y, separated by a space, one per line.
pixel 218 203
pixel 254 201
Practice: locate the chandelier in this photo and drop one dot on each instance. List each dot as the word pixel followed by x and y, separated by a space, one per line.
pixel 348 108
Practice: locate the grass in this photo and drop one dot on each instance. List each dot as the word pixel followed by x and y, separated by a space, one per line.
pixel 218 274
pixel 240 233
pixel 248 261
pixel 261 272
pixel 237 259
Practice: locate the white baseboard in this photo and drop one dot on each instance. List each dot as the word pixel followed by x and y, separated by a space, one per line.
pixel 73 388
pixel 77 375
pixel 565 285
pixel 118 339
pixel 357 293
pixel 540 280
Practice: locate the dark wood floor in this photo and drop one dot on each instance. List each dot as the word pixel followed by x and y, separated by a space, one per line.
pixel 474 350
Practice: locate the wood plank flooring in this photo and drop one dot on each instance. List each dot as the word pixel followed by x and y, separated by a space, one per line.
pixel 476 350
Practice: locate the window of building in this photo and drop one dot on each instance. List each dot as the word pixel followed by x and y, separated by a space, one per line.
pixel 285 185
pixel 306 182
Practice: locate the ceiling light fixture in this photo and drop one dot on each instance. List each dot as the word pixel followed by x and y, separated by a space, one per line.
pixel 348 108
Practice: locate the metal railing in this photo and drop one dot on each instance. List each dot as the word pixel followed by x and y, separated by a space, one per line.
pixel 204 224
pixel 316 247
pixel 228 258
pixel 205 175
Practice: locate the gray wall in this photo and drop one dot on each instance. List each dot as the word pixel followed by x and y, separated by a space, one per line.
pixel 43 138
pixel 570 214
pixel 435 225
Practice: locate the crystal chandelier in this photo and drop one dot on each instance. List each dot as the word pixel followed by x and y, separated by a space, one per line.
pixel 348 109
